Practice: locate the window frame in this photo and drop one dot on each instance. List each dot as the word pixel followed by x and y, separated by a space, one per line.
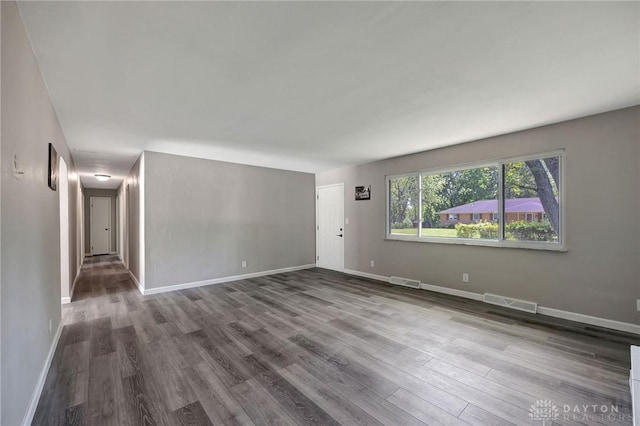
pixel 501 241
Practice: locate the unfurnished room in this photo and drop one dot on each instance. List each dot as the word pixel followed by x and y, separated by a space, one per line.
pixel 320 212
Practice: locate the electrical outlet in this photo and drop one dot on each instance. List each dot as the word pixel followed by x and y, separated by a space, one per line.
pixel 638 304
pixel 346 220
pixel 50 323
pixel 373 264
pixel 465 278
pixel 244 263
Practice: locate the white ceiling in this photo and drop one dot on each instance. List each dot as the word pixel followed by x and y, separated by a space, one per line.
pixel 312 86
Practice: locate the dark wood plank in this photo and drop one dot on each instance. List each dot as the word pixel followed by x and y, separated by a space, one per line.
pixel 101 337
pixel 75 415
pixel 137 404
pixel 192 415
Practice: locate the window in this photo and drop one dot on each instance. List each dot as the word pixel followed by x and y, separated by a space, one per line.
pixel 403 205
pixel 532 186
pixel 510 203
pixel 452 200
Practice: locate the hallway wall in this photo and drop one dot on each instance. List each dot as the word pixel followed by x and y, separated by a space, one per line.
pixel 30 228
pixel 135 237
pixel 91 192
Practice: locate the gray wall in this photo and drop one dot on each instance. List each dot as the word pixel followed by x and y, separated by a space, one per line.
pixel 204 217
pixel 598 275
pixel 91 192
pixel 30 229
pixel 133 187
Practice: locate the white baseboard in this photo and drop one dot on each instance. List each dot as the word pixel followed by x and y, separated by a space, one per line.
pixel 65 300
pixel 588 319
pixel 367 275
pixel 556 313
pixel 452 291
pixel 37 391
pixel 224 279
pixel 136 282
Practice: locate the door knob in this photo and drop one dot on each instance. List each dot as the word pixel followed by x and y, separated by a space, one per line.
pixel 339 235
pixel 106 229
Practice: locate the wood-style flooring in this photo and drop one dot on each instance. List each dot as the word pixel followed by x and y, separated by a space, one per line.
pixel 319 347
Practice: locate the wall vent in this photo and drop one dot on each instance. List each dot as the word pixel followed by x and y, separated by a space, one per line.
pixel 521 305
pixel 404 282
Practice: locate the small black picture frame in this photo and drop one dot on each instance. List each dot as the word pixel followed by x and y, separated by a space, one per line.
pixel 363 193
pixel 53 168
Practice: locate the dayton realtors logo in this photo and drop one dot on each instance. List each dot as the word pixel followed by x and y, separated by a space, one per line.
pixel 544 411
pixel 547 412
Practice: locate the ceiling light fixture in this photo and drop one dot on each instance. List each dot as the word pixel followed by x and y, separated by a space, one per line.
pixel 102 177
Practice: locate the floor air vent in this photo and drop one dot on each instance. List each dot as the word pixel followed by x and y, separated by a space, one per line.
pixel 405 282
pixel 521 305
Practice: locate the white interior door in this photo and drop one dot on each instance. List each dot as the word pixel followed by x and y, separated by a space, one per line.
pixel 330 227
pixel 100 225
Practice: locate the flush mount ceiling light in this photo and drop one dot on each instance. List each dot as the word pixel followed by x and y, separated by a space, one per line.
pixel 102 177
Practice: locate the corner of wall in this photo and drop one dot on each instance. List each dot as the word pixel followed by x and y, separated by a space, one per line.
pixel 0 213
pixel 142 225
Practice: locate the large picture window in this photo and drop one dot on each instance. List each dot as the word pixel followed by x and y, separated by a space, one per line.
pixel 512 202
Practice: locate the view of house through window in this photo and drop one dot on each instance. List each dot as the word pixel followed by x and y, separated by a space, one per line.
pixel 465 204
pixel 452 199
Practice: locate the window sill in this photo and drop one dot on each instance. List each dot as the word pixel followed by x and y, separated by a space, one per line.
pixel 527 245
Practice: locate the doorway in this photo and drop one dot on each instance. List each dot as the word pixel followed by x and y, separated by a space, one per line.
pixel 63 194
pixel 100 225
pixel 330 227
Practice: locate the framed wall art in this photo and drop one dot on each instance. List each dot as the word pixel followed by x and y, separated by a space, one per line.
pixel 53 168
pixel 363 193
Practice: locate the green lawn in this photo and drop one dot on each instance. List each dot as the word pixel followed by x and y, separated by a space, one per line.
pixel 427 232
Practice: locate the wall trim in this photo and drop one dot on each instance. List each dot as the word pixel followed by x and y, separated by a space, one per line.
pixel 551 312
pixel 591 320
pixel 136 282
pixel 452 291
pixel 183 286
pixel 37 391
pixel 367 275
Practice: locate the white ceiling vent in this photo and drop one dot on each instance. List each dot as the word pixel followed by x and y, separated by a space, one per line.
pixel 404 282
pixel 521 305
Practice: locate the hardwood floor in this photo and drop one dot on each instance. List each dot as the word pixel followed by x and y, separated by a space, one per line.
pixel 319 347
